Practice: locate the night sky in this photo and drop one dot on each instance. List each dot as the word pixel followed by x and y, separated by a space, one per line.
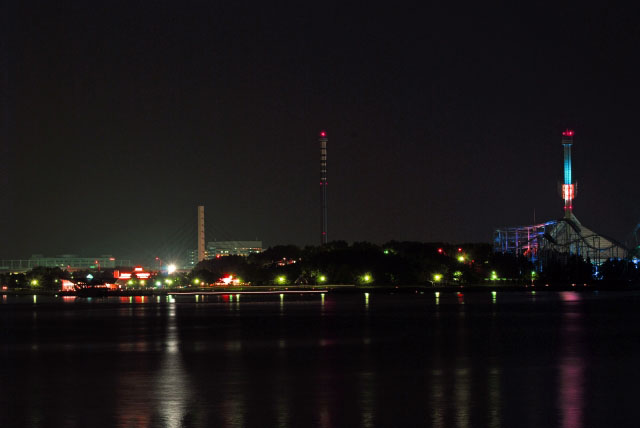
pixel 444 122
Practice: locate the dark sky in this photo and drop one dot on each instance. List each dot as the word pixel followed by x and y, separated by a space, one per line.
pixel 444 122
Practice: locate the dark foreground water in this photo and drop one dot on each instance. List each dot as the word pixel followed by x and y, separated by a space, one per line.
pixel 474 360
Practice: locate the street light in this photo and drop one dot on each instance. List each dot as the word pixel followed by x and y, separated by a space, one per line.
pixel 533 275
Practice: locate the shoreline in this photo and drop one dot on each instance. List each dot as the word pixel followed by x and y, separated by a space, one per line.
pixel 333 289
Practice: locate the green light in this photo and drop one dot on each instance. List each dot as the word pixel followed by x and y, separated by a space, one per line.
pixel 158 283
pixel 386 251
pixel 494 293
pixel 322 278
pixel 168 281
pixel 437 277
pixel 461 259
pixel 281 279
pixel 366 278
pixel 34 282
pixel 196 281
pixel 437 294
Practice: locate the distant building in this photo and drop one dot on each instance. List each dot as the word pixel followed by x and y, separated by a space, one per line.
pixel 217 249
pixel 233 248
pixel 64 261
pixel 192 259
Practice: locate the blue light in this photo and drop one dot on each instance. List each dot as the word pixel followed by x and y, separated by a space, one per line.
pixel 567 164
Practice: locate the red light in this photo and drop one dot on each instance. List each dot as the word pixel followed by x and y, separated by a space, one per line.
pixel 440 250
pixel 568 133
pixel 459 250
pixel 568 192
pixel 323 134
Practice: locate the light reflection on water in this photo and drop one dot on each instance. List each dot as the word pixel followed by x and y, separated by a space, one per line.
pixel 571 362
pixel 493 390
pixel 378 361
pixel 172 388
pixel 437 402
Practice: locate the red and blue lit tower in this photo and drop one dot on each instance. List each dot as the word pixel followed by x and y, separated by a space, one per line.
pixel 323 183
pixel 568 188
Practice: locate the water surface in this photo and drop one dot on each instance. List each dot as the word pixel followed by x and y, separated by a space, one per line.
pixel 509 359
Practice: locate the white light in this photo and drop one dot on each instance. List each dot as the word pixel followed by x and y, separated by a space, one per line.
pixel 171 269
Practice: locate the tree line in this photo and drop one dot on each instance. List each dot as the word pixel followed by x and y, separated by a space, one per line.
pixel 363 263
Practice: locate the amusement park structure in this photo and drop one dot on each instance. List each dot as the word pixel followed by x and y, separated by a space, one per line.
pixel 558 239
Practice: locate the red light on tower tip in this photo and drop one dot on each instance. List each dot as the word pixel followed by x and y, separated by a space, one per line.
pixel 568 133
pixel 323 134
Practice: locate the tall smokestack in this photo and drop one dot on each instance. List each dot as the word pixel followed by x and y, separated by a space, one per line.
pixel 568 188
pixel 200 233
pixel 323 183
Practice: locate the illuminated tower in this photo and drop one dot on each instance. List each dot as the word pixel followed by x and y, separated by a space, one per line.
pixel 323 183
pixel 200 233
pixel 568 188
